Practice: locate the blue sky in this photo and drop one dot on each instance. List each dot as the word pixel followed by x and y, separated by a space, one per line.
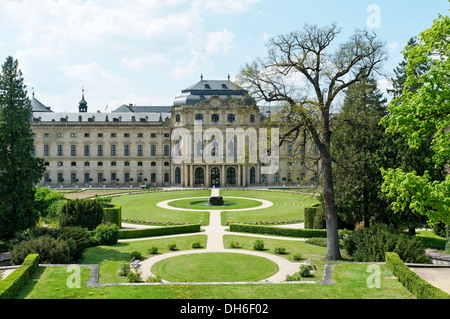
pixel 146 51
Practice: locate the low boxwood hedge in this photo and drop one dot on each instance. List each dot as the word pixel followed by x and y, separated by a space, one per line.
pixel 416 285
pixel 158 231
pixel 11 285
pixel 278 231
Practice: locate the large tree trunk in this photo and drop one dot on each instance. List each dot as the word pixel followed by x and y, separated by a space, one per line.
pixel 333 252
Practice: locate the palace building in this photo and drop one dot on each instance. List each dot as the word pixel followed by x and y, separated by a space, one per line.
pixel 195 142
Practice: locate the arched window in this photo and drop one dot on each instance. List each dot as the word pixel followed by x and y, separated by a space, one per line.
pixel 231 118
pixel 178 118
pixel 215 118
pixel 199 117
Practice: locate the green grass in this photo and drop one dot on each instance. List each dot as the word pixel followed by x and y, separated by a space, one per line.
pixel 214 267
pixel 50 283
pixel 308 251
pixel 286 206
pixel 229 203
pixel 110 257
pixel 143 207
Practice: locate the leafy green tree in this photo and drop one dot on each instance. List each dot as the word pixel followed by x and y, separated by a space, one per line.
pixel 20 171
pixel 355 145
pixel 420 115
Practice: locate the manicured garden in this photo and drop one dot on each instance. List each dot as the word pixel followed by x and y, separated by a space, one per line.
pixel 142 208
pixel 215 267
pixel 351 279
pixel 286 208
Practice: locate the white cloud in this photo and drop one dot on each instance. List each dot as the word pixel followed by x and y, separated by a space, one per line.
pixel 228 6
pixel 140 63
pixel 87 73
pixel 219 42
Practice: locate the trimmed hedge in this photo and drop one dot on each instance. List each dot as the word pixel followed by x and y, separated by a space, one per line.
pixel 113 214
pixel 160 231
pixel 314 217
pixel 278 231
pixel 433 242
pixel 416 285
pixel 11 285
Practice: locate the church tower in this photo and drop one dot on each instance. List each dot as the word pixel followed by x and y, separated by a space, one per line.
pixel 82 106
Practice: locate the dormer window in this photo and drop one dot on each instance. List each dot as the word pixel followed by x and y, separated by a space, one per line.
pixel 178 118
pixel 207 86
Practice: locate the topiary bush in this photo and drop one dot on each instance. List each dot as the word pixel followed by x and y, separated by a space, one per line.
pixel 304 271
pixel 107 234
pixel 371 244
pixel 258 245
pixel 85 213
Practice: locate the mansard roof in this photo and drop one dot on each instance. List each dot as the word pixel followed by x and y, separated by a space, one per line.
pixel 205 89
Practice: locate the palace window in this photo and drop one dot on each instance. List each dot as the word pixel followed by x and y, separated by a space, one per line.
pixel 215 117
pixel 231 118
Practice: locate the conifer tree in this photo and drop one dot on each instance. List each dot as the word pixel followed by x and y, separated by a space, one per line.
pixel 20 171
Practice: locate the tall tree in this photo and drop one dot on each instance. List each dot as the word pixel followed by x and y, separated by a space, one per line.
pixel 302 56
pixel 20 171
pixel 355 145
pixel 423 114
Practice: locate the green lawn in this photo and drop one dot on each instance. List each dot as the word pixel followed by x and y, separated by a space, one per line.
pixel 110 257
pixel 143 207
pixel 50 283
pixel 286 206
pixel 214 267
pixel 308 251
pixel 229 203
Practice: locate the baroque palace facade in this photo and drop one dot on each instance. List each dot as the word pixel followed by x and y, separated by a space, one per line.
pixel 166 145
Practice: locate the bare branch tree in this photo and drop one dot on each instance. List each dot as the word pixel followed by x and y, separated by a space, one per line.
pixel 305 79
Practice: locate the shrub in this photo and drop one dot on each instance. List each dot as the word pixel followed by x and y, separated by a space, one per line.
pixel 77 238
pixel 278 231
pixel 317 241
pixel 136 255
pixel 196 244
pixel 153 250
pixel 294 277
pixel 172 246
pixel 416 285
pixel 124 269
pixel 107 234
pixel 297 256
pixel 85 213
pixel 234 244
pixel 112 214
pixel 12 284
pixel 134 276
pixel 280 250
pixel 156 278
pixel 160 231
pixel 258 245
pixel 50 250
pixel 304 271
pixel 371 244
